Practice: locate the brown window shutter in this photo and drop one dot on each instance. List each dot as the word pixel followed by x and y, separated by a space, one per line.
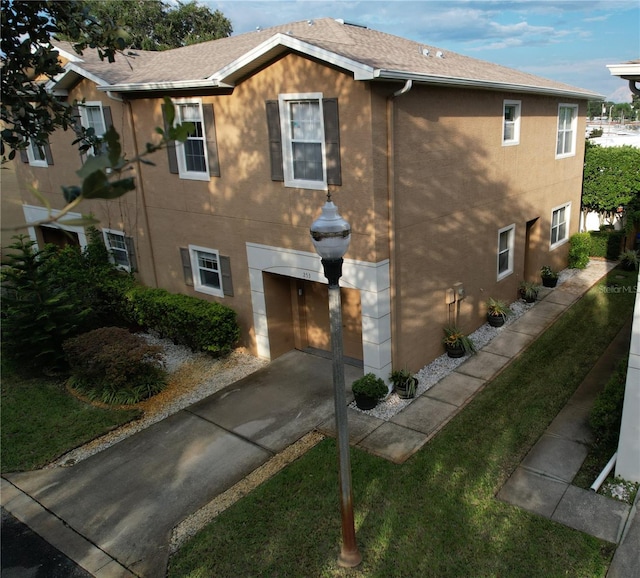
pixel 108 119
pixel 225 271
pixel 131 253
pixel 171 148
pixel 186 266
pixel 275 140
pixel 48 154
pixel 24 156
pixel 332 140
pixel 212 144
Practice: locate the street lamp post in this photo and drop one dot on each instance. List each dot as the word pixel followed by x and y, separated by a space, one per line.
pixel 331 235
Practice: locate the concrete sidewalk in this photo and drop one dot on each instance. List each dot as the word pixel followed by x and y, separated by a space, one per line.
pixel 114 512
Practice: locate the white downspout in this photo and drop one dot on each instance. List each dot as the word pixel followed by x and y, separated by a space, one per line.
pixel 391 192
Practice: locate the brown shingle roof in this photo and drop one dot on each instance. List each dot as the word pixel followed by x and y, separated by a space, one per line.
pixel 381 55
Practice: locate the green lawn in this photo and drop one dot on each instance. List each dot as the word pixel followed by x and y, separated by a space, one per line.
pixel 41 421
pixel 435 515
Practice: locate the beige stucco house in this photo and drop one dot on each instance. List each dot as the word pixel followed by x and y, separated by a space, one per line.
pixel 452 172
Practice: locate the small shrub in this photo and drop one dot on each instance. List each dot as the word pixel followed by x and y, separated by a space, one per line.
pixel 606 415
pixel 579 249
pixel 115 366
pixel 198 324
pixel 369 385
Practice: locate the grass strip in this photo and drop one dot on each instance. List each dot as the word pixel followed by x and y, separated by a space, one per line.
pixel 41 421
pixel 435 515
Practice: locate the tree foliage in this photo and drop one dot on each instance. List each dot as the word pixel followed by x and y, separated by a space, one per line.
pixel 611 178
pixel 53 294
pixel 28 110
pixel 158 25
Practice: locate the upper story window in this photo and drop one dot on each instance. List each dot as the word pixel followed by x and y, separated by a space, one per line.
pixel 303 140
pixel 511 123
pixel 192 154
pixel 92 117
pixel 36 155
pixel 506 238
pixel 560 225
pixel 567 126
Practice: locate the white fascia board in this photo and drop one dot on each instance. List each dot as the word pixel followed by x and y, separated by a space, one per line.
pixel 277 44
pixel 72 72
pixel 160 86
pixel 484 84
pixel 628 70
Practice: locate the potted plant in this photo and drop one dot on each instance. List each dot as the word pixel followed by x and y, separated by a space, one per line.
pixel 368 390
pixel 529 291
pixel 630 260
pixel 549 276
pixel 457 343
pixel 497 312
pixel 404 383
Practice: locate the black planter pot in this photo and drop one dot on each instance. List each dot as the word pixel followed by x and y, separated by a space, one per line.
pixel 549 281
pixel 455 351
pixel 407 392
pixel 495 320
pixel 365 402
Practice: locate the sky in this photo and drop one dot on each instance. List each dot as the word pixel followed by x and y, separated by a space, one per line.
pixel 570 41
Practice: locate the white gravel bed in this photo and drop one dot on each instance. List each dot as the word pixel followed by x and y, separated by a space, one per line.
pixel 442 366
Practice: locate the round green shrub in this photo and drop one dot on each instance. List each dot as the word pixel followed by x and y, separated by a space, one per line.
pixel 369 385
pixel 115 366
pixel 579 250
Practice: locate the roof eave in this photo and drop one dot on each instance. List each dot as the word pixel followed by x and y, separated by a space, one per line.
pixel 628 70
pixel 163 86
pixel 484 84
pixel 72 72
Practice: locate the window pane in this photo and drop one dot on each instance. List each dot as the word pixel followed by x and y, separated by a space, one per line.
pixel 305 120
pixel 504 241
pixel 37 152
pixel 209 278
pixel 194 155
pixel 307 161
pixel 509 131
pixel 95 120
pixel 503 262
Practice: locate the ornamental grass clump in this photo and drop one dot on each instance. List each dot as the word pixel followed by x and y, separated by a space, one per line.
pixel 115 366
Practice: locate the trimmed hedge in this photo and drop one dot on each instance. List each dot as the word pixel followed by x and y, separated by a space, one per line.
pixel 606 244
pixel 198 324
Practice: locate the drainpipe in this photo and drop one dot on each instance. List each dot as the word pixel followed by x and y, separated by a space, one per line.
pixel 145 215
pixel 604 473
pixel 391 192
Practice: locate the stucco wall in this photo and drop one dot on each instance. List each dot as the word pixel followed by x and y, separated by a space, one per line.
pixel 456 186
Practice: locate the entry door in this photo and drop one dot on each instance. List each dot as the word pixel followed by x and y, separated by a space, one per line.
pixel 316 315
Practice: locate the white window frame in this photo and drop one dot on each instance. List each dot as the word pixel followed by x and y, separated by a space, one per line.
pixel 562 130
pixel 516 122
pixel 194 250
pixel 511 229
pixel 84 120
pixel 111 249
pixel 567 221
pixel 284 101
pixel 33 160
pixel 183 172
